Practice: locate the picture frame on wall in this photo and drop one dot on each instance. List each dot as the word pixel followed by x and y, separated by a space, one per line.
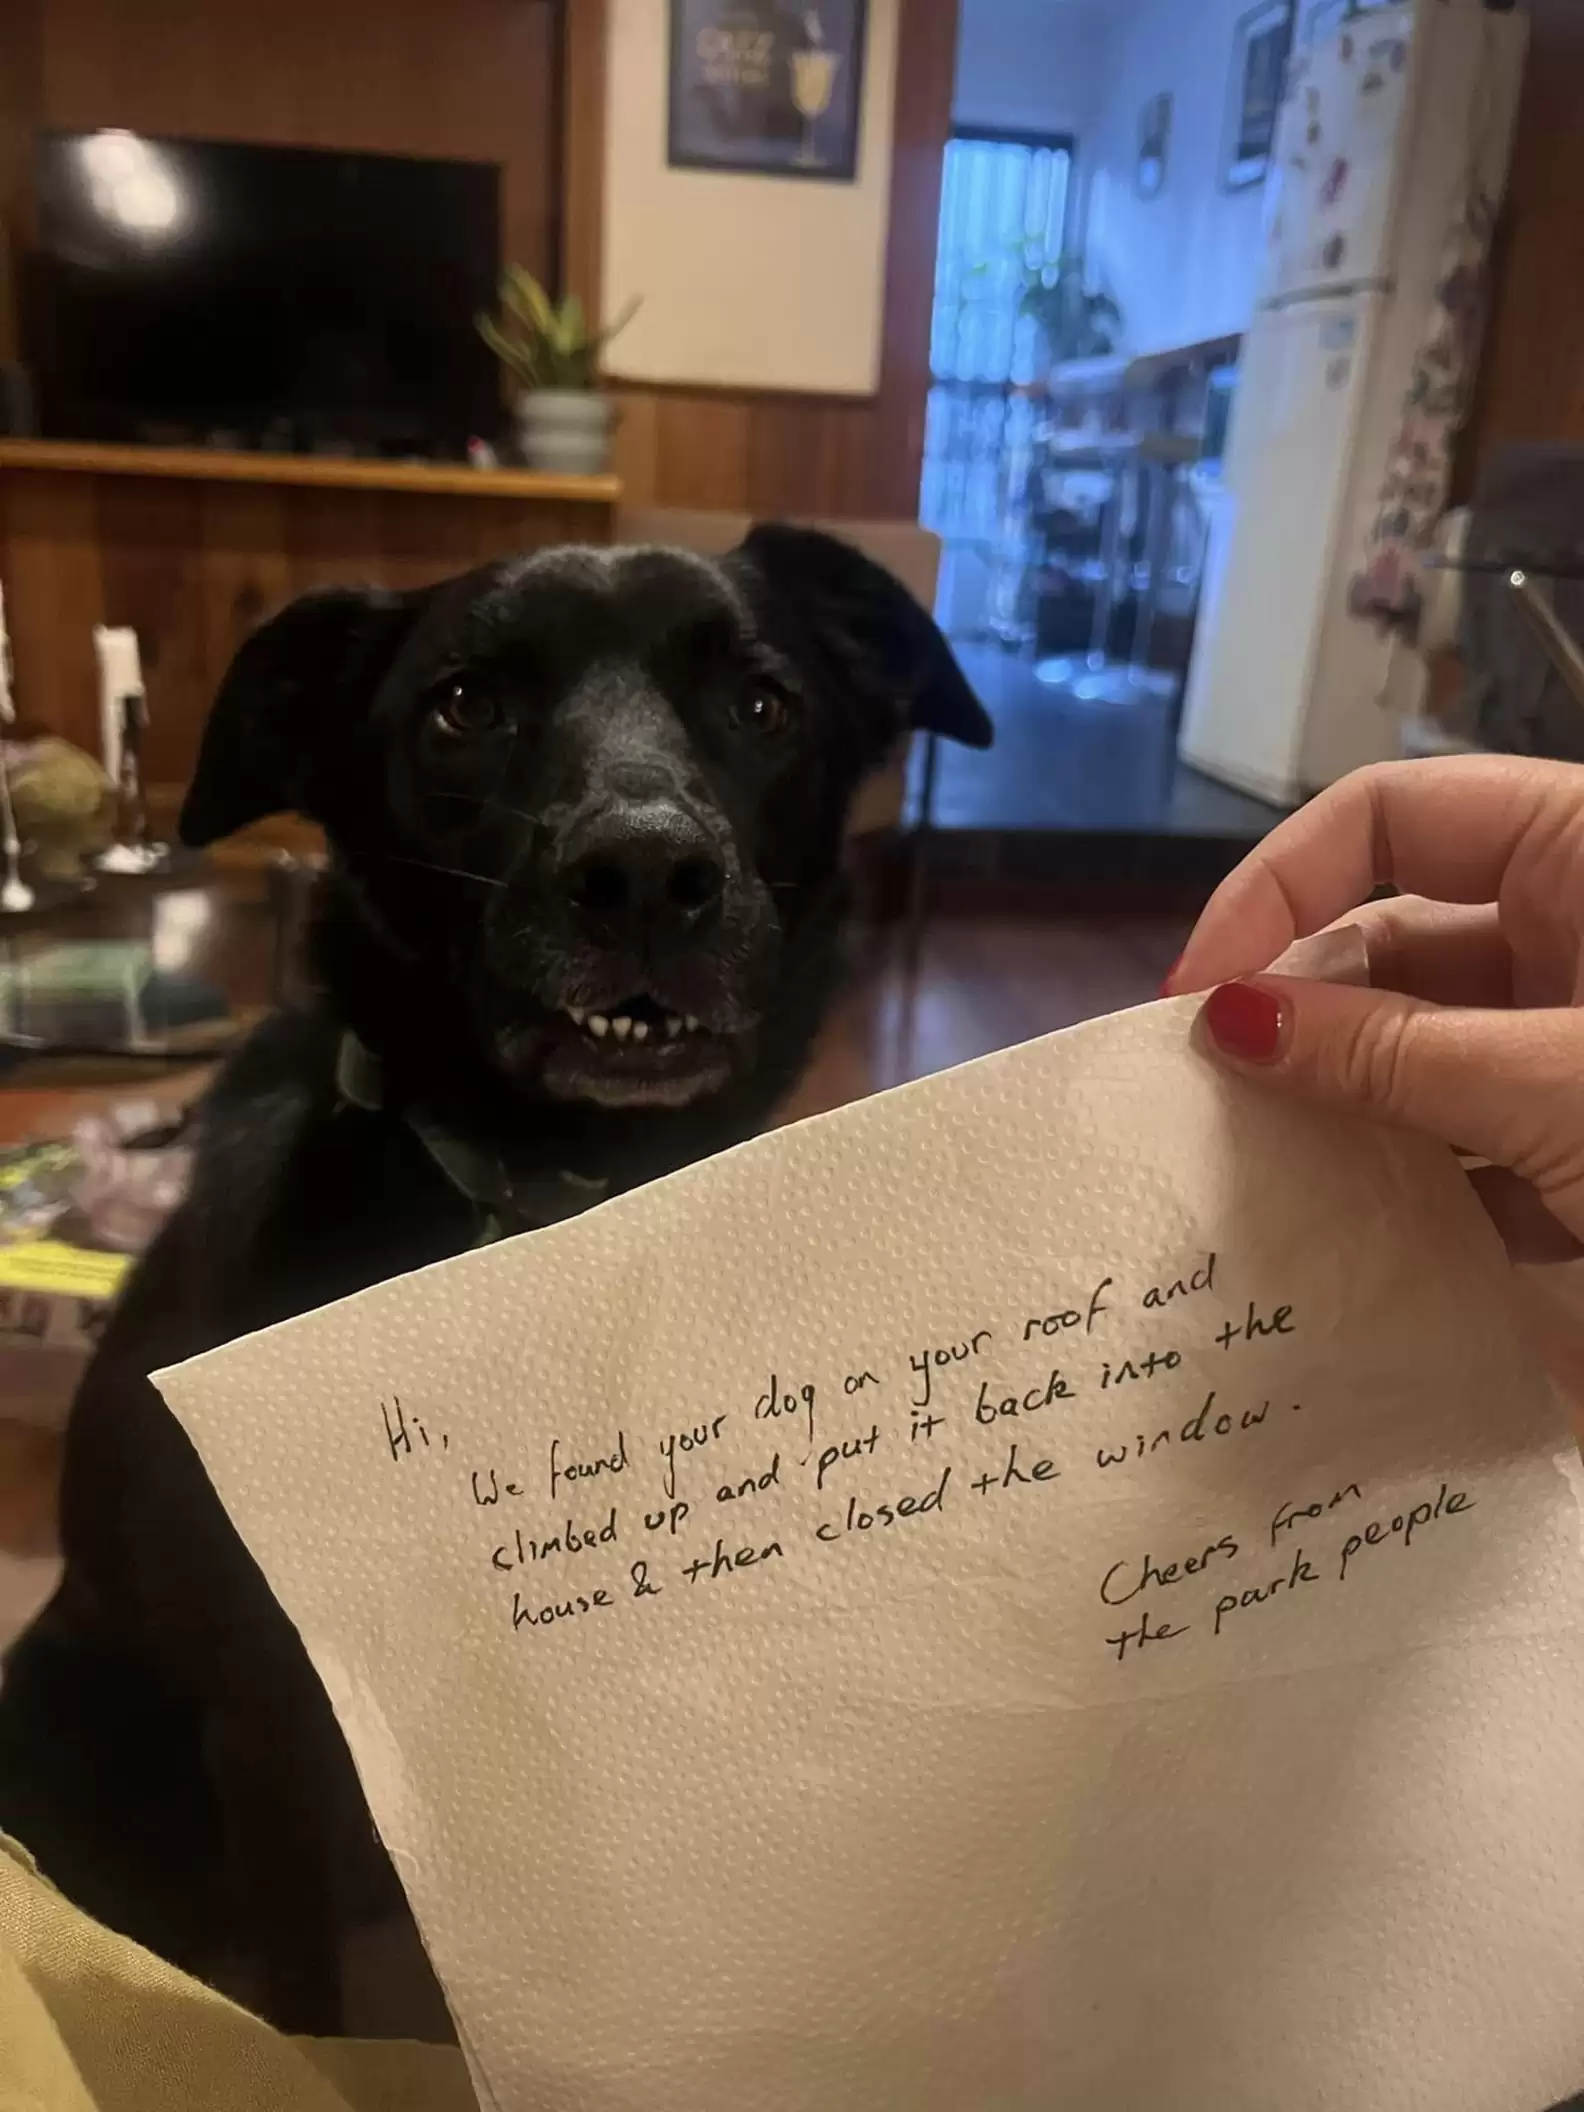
pixel 1155 119
pixel 1261 45
pixel 767 87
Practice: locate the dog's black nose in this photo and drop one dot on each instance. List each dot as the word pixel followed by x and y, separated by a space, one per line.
pixel 644 877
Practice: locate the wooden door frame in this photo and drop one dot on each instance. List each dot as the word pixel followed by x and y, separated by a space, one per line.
pixel 582 35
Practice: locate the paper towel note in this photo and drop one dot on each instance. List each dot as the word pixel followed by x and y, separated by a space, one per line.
pixel 1056 1587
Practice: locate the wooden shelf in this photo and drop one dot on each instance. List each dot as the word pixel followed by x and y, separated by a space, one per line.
pixel 193 547
pixel 217 465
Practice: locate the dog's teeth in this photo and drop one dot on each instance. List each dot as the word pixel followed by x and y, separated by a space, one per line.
pixel 692 1024
pixel 673 1026
pixel 599 1025
pixel 577 1018
pixel 621 1026
pixel 640 1030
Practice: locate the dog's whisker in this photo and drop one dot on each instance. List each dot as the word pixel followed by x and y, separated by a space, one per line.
pixel 488 806
pixel 451 872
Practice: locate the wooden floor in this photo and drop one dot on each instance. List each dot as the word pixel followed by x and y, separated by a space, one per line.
pixel 1063 762
pixel 982 984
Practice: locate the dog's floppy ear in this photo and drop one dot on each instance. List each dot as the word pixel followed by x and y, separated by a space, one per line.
pixel 285 721
pixel 870 632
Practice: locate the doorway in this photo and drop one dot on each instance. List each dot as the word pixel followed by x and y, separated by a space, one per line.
pixel 1003 220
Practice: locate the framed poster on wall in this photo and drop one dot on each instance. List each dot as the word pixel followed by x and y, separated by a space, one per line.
pixel 767 87
pixel 1261 45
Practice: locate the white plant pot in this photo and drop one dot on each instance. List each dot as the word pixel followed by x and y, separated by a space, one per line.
pixel 565 430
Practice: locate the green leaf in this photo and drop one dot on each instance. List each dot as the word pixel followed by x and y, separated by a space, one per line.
pixel 543 344
pixel 566 332
pixel 513 353
pixel 523 294
pixel 619 322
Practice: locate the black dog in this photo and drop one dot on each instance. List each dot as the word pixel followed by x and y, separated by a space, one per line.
pixel 586 813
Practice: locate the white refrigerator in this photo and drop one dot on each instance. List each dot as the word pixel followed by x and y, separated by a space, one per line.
pixel 1387 121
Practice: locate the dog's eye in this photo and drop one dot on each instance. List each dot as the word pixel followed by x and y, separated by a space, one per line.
pixel 460 708
pixel 763 712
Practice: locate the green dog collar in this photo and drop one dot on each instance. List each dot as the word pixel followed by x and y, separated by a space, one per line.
pixel 479 1176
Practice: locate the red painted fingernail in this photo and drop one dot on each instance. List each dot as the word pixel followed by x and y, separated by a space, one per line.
pixel 1166 979
pixel 1245 1022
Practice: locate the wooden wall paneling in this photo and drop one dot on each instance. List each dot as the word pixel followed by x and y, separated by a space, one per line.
pixel 243 569
pixel 476 536
pixel 49 560
pixel 147 536
pixel 20 95
pixel 433 539
pixel 702 450
pixel 510 534
pixel 847 427
pixel 795 456
pixel 854 487
pixel 583 32
pixel 1531 384
pixel 422 540
pixel 549 527
pixel 193 566
pixel 518 50
pixel 515 529
pixel 334 538
pixel 473 79
pixel 635 449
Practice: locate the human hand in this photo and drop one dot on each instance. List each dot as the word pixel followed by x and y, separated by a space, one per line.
pixel 1472 1028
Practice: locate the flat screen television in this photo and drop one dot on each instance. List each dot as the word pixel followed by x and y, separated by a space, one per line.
pixel 206 293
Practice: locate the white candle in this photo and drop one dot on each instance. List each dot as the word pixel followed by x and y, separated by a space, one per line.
pixel 120 675
pixel 7 699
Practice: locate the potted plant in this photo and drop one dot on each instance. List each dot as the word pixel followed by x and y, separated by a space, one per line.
pixel 563 421
pixel 1076 320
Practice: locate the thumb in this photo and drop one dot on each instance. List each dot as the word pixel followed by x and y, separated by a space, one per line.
pixel 1503 1086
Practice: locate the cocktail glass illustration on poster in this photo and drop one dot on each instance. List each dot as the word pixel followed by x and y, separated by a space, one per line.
pixel 767 87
